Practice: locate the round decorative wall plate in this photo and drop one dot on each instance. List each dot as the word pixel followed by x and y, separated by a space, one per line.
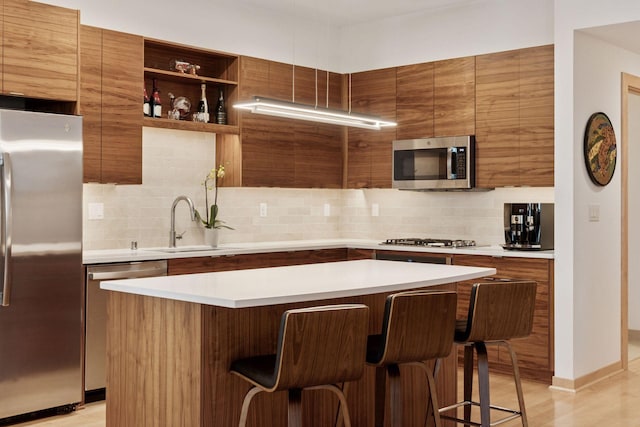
pixel 600 150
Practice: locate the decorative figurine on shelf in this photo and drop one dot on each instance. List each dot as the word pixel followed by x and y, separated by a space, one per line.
pixel 184 67
pixel 173 113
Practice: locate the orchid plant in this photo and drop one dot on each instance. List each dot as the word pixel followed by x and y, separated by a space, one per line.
pixel 211 213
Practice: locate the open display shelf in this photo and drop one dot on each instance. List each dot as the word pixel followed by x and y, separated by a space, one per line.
pixel 219 71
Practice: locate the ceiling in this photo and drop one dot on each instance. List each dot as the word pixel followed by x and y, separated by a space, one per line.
pixel 343 12
pixel 625 35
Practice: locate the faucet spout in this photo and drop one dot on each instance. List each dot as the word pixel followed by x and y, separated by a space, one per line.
pixel 192 210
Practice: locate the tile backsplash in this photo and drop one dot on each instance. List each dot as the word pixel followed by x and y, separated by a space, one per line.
pixel 176 163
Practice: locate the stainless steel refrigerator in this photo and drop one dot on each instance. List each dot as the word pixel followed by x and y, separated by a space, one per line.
pixel 41 261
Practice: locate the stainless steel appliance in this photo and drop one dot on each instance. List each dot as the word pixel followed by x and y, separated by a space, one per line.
pixel 528 226
pixel 445 163
pixel 41 262
pixel 434 243
pixel 96 325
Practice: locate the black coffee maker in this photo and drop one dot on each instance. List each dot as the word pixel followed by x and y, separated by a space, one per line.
pixel 528 226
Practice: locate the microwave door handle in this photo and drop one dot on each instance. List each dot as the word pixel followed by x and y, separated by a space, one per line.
pixel 7 221
pixel 452 160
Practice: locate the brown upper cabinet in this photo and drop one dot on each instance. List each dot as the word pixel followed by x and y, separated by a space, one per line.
pixel 40 51
pixel 277 152
pixel 111 103
pixel 454 97
pixel 369 151
pixel 515 118
pixel 414 101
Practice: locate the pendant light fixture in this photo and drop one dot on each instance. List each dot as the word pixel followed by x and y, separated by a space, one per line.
pixel 294 110
pixel 314 113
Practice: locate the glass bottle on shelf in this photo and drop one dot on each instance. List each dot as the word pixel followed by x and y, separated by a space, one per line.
pixel 146 104
pixel 156 103
pixel 203 106
pixel 221 112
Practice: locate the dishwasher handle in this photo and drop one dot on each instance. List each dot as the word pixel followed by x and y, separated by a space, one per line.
pixel 127 274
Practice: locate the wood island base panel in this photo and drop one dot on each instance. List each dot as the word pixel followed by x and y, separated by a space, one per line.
pixel 168 365
pixel 171 340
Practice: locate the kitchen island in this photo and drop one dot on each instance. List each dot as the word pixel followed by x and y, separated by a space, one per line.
pixel 170 340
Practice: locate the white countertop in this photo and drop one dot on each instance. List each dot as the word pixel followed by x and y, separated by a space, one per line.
pixel 144 254
pixel 279 285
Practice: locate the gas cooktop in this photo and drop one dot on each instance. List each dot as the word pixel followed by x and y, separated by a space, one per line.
pixel 436 243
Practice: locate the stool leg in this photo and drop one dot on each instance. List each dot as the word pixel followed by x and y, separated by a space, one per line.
pixel 294 410
pixel 516 378
pixel 433 397
pixel 395 401
pixel 245 405
pixel 341 415
pixel 380 391
pixel 468 381
pixel 483 384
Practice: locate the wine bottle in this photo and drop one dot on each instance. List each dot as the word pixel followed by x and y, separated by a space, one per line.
pixel 203 106
pixel 146 104
pixel 221 112
pixel 156 103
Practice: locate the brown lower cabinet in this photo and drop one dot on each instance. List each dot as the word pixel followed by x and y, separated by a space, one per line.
pixel 247 261
pixel 535 353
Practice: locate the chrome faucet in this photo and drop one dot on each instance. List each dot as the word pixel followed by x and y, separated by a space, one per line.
pixel 172 233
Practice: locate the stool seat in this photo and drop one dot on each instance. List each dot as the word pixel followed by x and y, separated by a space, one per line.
pixel 498 312
pixel 317 347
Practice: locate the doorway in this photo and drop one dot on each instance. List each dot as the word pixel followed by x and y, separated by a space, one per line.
pixel 630 154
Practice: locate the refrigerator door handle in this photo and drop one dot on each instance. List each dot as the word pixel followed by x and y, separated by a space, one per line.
pixel 6 176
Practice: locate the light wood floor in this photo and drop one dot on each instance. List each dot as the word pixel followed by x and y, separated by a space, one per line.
pixel 613 402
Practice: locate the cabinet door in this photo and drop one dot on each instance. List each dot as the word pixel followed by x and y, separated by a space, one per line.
pixel 90 105
pixel 537 116
pixel 369 151
pixel 454 97
pixel 40 51
pixel 414 101
pixel 497 119
pixel 122 86
pixel 535 357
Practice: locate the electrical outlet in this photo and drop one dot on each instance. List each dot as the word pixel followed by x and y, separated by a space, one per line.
pixel 263 210
pixel 375 209
pixel 327 209
pixel 96 211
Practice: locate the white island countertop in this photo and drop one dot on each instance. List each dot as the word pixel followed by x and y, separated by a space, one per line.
pixel 300 283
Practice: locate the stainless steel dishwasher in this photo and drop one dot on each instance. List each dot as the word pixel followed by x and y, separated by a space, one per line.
pixel 96 312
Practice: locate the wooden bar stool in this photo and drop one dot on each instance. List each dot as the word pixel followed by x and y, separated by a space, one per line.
pixel 417 326
pixel 498 312
pixel 317 348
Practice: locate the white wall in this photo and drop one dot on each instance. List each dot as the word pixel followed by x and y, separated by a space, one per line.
pixel 477 28
pixel 227 25
pixel 587 266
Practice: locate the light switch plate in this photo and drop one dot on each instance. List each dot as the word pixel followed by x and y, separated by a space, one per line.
pixel 263 210
pixel 375 209
pixel 594 213
pixel 327 209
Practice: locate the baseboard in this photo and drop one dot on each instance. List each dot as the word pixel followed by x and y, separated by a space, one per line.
pixel 566 384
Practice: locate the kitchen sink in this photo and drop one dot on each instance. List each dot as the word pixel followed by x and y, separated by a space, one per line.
pixel 197 248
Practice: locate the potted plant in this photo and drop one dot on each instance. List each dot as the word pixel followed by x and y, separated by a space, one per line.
pixel 211 222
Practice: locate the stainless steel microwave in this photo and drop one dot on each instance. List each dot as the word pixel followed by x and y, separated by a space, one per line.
pixel 444 163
